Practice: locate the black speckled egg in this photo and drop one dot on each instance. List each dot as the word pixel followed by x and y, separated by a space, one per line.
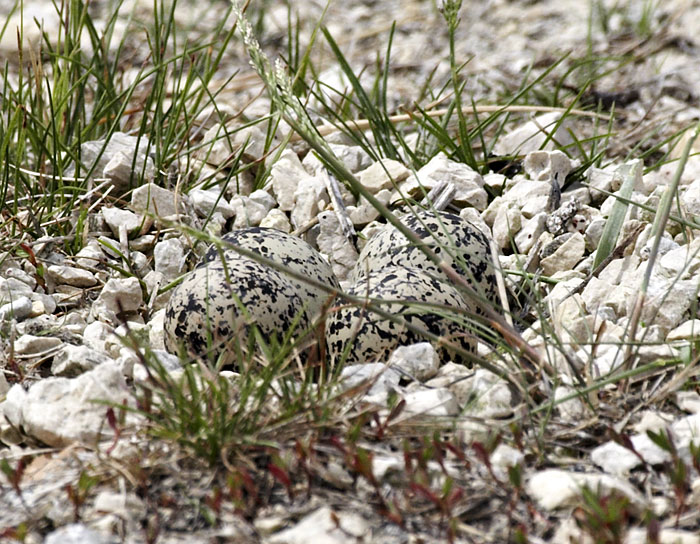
pixel 373 338
pixel 469 252
pixel 287 250
pixel 205 310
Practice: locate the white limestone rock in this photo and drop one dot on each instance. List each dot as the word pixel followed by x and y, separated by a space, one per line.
pixel 364 212
pixel 134 330
pixel 325 526
pixel 38 325
pixel 381 379
pixel 90 256
pixel 368 232
pixel 250 211
pixel 600 181
pixel 383 174
pixel 95 335
pixel 152 199
pixel 594 232
pixel 333 243
pixel 530 232
pixel 555 489
pixel 310 197
pixel 22 24
pixel 138 372
pixel 118 295
pixel 638 535
pixel 653 420
pixel 115 160
pixel 385 466
pixel 468 183
pixel 661 309
pixel 474 217
pixel 12 288
pixel 169 257
pixel 21 275
pixel 78 533
pixel 615 459
pixel 666 245
pixel 209 201
pixel 489 214
pixel 221 144
pixel 4 386
pixel 438 402
pixel 483 395
pixel 60 411
pixel 682 261
pixel 277 219
pixel 531 135
pixel 120 167
pixel 28 344
pixel 215 225
pixel 572 409
pixel 505 457
pixel 285 175
pixel 140 264
pixel 263 198
pixel 19 309
pixel 495 181
pixel 154 282
pixel 656 352
pixel 689 330
pixel 620 299
pixel 690 199
pixel 634 211
pixel 531 196
pixel 547 166
pixel 353 157
pixel 688 401
pixel 69 275
pixel 566 256
pixel 111 508
pixel 156 330
pixel 418 361
pixel 507 223
pixel 449 374
pixel 73 360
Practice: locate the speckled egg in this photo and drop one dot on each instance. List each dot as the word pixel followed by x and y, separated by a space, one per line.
pixel 373 337
pixel 469 251
pixel 287 250
pixel 205 312
pixel 204 315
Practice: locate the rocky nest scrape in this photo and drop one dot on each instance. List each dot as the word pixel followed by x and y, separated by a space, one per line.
pixel 76 469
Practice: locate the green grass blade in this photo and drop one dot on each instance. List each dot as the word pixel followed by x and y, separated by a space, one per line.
pixel 631 174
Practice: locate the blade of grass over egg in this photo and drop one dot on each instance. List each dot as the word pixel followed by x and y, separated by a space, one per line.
pixel 370 304
pixel 630 175
pixel 278 85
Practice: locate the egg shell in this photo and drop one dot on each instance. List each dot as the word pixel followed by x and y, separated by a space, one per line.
pixel 204 311
pixel 287 250
pixel 374 338
pixel 453 239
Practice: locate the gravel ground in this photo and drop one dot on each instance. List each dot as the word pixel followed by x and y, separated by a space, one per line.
pixel 616 463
